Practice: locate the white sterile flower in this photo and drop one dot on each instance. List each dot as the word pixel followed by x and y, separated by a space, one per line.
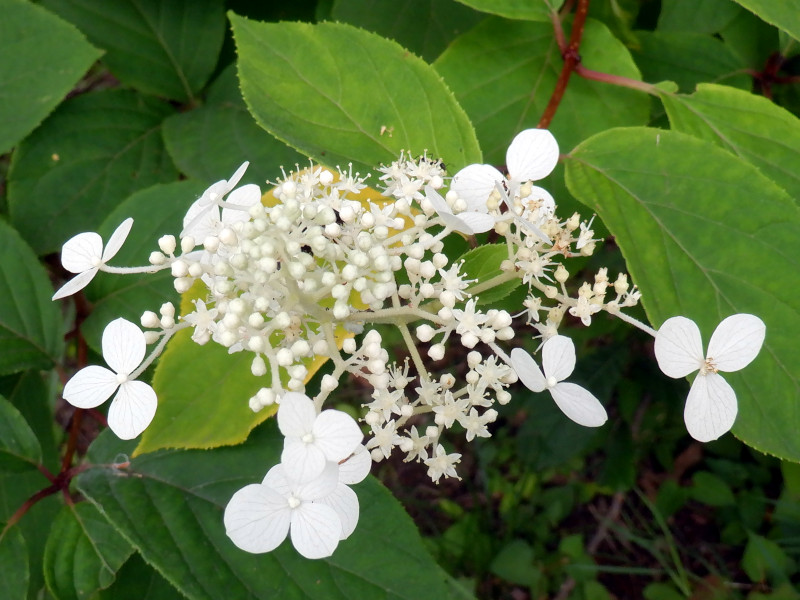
pixel 84 254
pixel 558 360
pixel 312 439
pixel 259 516
pixel 532 155
pixel 711 405
pixel 468 222
pixel 203 219
pixel 135 403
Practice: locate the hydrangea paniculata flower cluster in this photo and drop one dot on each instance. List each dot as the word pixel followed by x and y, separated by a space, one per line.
pixel 286 274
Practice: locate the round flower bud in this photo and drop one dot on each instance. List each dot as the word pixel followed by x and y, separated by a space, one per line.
pixel 328 383
pixel 151 337
pixel 561 274
pixel 167 244
pixel 425 332
pixel 284 357
pixel 436 352
pixel 150 319
pixel 187 244
pixel 431 431
pixel 503 397
pixel 182 284
pixel 258 367
pixel 180 268
pixel 255 404
pixel 349 346
pixel 326 177
pixel 156 258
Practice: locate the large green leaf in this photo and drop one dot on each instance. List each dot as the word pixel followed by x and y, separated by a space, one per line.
pixel 90 155
pixel 699 16
pixel 169 506
pixel 156 211
pixel 784 14
pixel 19 448
pixel 30 324
pixel 14 558
pixel 137 580
pixel 340 94
pixel 534 10
pixel 210 142
pixel 83 553
pixel 688 59
pixel 203 395
pixel 425 27
pixel 750 126
pixel 705 235
pixel 49 58
pixel 503 73
pixel 165 48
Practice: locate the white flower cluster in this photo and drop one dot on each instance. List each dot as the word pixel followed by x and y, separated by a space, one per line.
pixel 295 274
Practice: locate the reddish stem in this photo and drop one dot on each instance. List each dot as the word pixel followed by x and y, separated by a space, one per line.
pixel 571 59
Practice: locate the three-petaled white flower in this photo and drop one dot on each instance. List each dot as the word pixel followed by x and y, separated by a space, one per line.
pixel 711 406
pixel 84 254
pixel 468 222
pixel 531 156
pixel 558 360
pixel 135 403
pixel 210 213
pixel 316 514
pixel 313 439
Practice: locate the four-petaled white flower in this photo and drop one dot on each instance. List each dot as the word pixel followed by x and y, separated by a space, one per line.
pixel 210 213
pixel 84 254
pixel 313 439
pixel 135 403
pixel 558 360
pixel 711 405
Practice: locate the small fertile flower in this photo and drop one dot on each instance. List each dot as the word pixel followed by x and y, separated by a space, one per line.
pixel 532 155
pixel 259 516
pixel 210 213
pixel 84 254
pixel 135 402
pixel 711 406
pixel 558 361
pixel 313 439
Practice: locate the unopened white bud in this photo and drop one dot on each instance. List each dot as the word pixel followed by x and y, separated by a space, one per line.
pixel 167 309
pixel 328 383
pixel 150 319
pixel 157 258
pixel 561 274
pixel 349 346
pixel 167 244
pixel 431 431
pixel 284 357
pixel 503 397
pixel 425 333
pixel 436 352
pixel 550 291
pixel 187 244
pixel 211 243
pixel 151 337
pixel 258 367
pixel 182 284
pixel 180 268
pixel 167 322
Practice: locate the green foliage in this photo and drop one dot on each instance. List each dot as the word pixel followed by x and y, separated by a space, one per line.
pixel 785 15
pixel 307 84
pixel 14 558
pixel 50 56
pixel 538 10
pixel 19 448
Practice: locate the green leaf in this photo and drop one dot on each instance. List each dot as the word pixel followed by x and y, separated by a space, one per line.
pixel 705 235
pixel 19 448
pixel 532 10
pixel 31 393
pixel 83 553
pixel 30 324
pixel 136 580
pixel 164 48
pixel 712 490
pixel 784 14
pixel 750 126
pixel 699 16
pixel 483 263
pixel 90 155
pixel 203 395
pixel 425 27
pixel 340 94
pixel 688 59
pixel 210 142
pixel 157 211
pixel 14 557
pixel 764 560
pixel 503 73
pixel 169 505
pixel 49 58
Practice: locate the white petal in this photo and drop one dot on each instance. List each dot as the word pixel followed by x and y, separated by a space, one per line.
pixel 435 198
pixel 77 283
pixel 296 414
pixel 301 462
pixel 238 174
pixel 82 252
pixel 245 197
pixel 710 408
pixel 117 239
pixel 337 434
pixel 474 183
pixel 315 530
pixel 579 404
pixel 736 342
pixel 201 221
pixel 558 357
pixel 132 409
pixel 345 502
pixel 123 346
pixel 356 468
pixel 276 479
pixel 527 370
pixel 532 155
pixel 320 486
pixel 533 229
pixel 476 222
pixel 678 347
pixel 257 518
pixel 90 387
pixel 456 224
